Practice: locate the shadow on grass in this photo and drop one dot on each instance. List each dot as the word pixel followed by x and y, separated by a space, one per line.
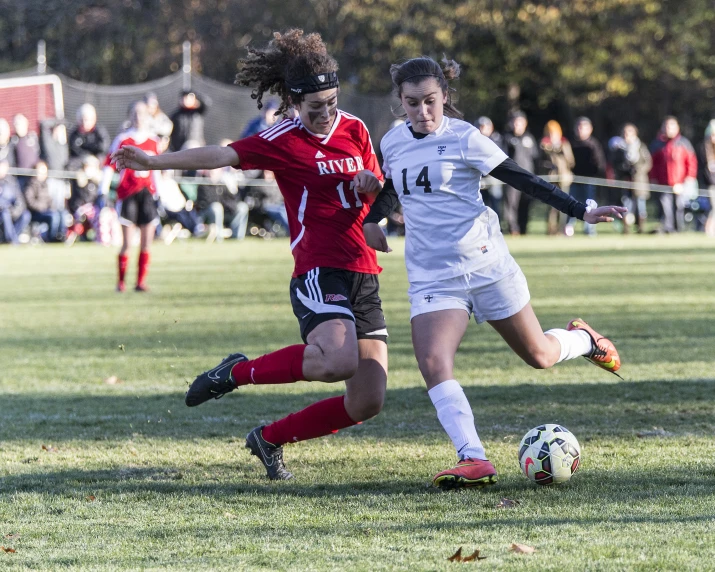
pixel 611 409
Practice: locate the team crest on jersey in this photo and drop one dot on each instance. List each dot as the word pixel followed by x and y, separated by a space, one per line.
pixel 484 249
pixel 335 298
pixel 441 149
pixel 321 78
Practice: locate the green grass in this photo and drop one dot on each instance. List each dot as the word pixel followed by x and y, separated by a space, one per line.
pixel 135 480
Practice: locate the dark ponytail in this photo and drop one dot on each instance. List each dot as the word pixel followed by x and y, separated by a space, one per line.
pixel 417 69
pixel 288 57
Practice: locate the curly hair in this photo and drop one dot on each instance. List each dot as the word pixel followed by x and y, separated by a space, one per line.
pixel 289 56
pixel 417 69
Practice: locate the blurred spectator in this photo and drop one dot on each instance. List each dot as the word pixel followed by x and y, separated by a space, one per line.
pixel 14 215
pixel 218 205
pixel 492 189
pixel 675 165
pixel 522 148
pixel 557 159
pixel 39 203
pixel 188 121
pixel 55 152
pixel 631 161
pixel 88 137
pixel 707 173
pixel 159 123
pixel 590 161
pixel 82 202
pixel 266 119
pixel 7 152
pixel 177 208
pixel 26 146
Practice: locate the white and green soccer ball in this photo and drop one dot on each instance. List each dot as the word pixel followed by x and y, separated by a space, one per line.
pixel 549 454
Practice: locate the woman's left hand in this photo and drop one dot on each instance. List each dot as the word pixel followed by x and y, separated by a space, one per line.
pixel 367 183
pixel 604 214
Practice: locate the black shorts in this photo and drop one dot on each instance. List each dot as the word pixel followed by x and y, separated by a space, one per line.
pixel 332 293
pixel 139 209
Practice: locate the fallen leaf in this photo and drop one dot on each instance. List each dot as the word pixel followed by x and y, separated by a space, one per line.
pixel 121 347
pixel 7 549
pixel 30 460
pixel 229 515
pixel 507 503
pixel 522 548
pixel 49 448
pixel 91 498
pixel 457 556
pixel 12 535
pixel 112 380
pixel 473 557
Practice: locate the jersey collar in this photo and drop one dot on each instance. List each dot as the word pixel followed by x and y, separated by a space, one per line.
pixel 323 139
pixel 441 129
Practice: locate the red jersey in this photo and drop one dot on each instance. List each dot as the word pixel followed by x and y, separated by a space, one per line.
pixel 131 182
pixel 314 174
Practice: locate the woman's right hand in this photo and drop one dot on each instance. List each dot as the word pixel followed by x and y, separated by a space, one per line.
pixel 129 157
pixel 375 238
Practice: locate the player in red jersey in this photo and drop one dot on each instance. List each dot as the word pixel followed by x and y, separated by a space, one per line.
pixel 136 205
pixel 326 169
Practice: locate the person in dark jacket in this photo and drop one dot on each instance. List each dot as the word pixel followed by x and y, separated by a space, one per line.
pixel 26 145
pixel 675 165
pixel 589 161
pixel 631 161
pixel 188 121
pixel 14 215
pixel 39 203
pixel 88 138
pixel 524 150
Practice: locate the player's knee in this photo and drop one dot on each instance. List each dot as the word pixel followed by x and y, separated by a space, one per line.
pixel 434 366
pixel 368 408
pixel 339 366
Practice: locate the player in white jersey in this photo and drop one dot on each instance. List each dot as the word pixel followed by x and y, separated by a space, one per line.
pixel 457 261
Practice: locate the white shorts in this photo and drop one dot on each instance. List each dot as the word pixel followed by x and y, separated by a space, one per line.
pixel 495 292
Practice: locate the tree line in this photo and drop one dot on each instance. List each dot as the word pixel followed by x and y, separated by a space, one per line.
pixel 614 60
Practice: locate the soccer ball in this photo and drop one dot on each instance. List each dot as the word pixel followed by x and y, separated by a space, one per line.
pixel 549 454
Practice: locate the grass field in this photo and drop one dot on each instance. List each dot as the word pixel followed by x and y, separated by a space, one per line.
pixel 123 476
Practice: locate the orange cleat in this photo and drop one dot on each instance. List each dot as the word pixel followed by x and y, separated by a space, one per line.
pixel 466 473
pixel 604 354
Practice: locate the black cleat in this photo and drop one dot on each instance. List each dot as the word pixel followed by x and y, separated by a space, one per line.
pixel 214 383
pixel 270 455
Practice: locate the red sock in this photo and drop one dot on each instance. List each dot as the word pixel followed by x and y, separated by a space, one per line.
pixel 123 262
pixel 322 418
pixel 282 366
pixel 143 267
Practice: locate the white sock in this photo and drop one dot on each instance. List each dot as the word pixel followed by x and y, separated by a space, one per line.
pixel 574 343
pixel 456 417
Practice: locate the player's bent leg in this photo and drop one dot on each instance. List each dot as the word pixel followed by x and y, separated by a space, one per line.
pixel 365 391
pixel 524 335
pixel 331 355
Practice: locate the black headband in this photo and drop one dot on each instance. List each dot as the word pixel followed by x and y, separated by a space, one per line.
pixel 313 83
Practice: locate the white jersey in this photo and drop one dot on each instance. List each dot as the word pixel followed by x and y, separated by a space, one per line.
pixel 448 228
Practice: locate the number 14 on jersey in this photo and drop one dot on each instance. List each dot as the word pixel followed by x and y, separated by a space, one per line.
pixel 421 181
